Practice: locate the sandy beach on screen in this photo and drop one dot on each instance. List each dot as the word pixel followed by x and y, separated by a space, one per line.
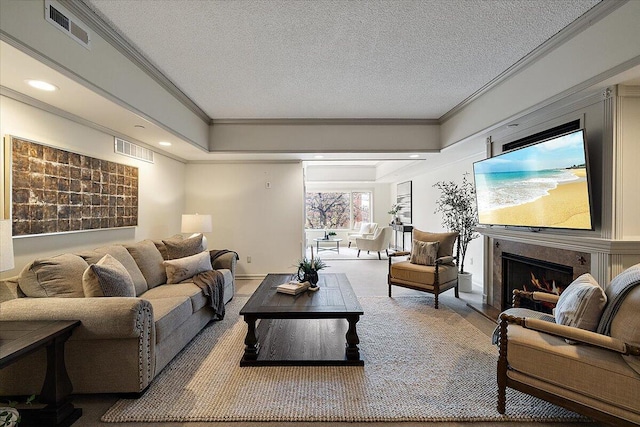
pixel 565 206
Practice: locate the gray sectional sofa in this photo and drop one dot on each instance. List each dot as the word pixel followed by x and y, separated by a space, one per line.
pixel 123 341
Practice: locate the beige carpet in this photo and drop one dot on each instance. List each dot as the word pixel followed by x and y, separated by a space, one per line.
pixel 421 364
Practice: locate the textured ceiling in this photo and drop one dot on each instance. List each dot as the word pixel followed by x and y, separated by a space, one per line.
pixel 335 59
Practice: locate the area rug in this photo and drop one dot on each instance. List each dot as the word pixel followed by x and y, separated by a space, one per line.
pixel 421 364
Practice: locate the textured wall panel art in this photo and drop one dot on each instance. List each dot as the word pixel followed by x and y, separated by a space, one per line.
pixel 54 190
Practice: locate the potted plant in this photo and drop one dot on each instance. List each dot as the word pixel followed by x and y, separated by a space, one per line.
pixel 395 208
pixel 332 234
pixel 308 270
pixel 459 213
pixel 9 415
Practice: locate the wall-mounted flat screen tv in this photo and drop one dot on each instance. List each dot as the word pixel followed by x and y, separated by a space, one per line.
pixel 543 185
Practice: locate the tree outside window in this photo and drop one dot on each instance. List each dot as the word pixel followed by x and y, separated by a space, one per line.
pixel 337 210
pixel 361 208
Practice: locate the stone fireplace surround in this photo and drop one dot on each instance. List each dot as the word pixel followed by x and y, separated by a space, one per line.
pixel 580 262
pixel 603 258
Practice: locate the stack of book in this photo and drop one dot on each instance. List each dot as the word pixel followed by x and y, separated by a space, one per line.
pixel 293 287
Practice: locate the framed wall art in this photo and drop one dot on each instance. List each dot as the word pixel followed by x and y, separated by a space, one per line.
pixel 50 190
pixel 404 200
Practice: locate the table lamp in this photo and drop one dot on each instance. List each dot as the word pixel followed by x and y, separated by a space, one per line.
pixel 6 246
pixel 194 223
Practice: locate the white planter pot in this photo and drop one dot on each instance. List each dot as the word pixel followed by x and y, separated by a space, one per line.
pixel 464 282
pixel 8 417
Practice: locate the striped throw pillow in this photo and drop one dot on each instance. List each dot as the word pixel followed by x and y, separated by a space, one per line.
pixel 424 253
pixel 580 305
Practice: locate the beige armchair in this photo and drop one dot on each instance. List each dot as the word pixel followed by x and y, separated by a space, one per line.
pixel 379 242
pixel 436 278
pixel 367 231
pixel 598 375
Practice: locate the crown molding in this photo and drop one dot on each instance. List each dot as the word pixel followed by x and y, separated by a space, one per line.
pixel 89 17
pixel 361 122
pixel 593 15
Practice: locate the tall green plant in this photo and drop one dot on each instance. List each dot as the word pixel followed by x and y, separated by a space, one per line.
pixel 457 203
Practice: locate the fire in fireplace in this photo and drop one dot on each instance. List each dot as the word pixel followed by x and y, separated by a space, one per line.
pixel 530 274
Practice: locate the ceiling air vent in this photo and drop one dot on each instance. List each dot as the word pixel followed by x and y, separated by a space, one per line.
pixel 129 149
pixel 60 18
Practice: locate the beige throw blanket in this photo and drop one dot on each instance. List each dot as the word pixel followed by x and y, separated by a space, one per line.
pixel 212 284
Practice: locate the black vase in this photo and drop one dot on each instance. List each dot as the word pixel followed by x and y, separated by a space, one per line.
pixel 311 277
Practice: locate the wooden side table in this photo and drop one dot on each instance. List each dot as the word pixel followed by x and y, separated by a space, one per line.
pixel 20 338
pixel 402 228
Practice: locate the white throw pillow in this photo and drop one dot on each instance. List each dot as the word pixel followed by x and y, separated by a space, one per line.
pixel 365 228
pixel 580 305
pixel 185 268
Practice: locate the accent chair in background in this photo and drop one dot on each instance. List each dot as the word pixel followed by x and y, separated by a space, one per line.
pixel 367 231
pixel 379 242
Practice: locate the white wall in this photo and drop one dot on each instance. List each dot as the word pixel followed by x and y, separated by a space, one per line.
pixel 265 224
pixel 324 137
pixel 161 185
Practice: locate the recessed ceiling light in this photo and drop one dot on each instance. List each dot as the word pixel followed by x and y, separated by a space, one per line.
pixel 318 157
pixel 138 126
pixel 164 143
pixel 39 84
pixel 513 125
pixel 414 156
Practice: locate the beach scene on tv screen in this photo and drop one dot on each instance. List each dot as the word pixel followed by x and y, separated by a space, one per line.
pixel 543 185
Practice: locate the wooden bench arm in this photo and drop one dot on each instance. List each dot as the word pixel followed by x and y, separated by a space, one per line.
pixel 399 253
pixel 445 260
pixel 573 334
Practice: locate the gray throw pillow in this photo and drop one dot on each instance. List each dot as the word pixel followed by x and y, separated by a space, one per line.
pixel 183 248
pixel 108 278
pixel 580 305
pixel 120 253
pixel 424 253
pixel 58 276
pixel 185 268
pixel 162 248
pixel 149 260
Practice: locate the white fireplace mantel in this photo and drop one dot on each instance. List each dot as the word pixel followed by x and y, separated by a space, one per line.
pixel 608 257
pixel 564 241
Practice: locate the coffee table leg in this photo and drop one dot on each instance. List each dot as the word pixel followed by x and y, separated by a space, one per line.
pixel 56 390
pixel 252 348
pixel 352 351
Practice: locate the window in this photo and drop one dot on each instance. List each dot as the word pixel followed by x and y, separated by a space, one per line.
pixel 337 210
pixel 361 208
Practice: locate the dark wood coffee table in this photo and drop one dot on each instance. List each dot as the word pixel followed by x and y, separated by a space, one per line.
pixel 20 338
pixel 303 329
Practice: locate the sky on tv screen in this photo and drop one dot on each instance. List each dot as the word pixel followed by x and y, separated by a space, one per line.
pixel 558 153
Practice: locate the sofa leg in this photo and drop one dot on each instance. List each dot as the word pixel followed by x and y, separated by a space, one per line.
pixel 436 297
pixel 456 292
pixel 349 245
pixel 358 253
pixel 379 257
pixel 133 395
